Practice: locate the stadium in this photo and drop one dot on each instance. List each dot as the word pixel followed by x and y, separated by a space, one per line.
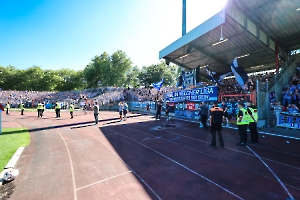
pixel 247 52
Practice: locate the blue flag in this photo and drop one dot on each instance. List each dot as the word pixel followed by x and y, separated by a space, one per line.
pixel 211 75
pixel 181 80
pixel 158 85
pixel 240 74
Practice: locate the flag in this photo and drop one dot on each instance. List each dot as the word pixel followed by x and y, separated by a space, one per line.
pixel 240 74
pixel 211 75
pixel 223 76
pixel 181 80
pixel 158 85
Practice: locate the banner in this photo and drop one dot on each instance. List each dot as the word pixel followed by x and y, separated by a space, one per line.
pixel 207 94
pixel 190 106
pixel 289 120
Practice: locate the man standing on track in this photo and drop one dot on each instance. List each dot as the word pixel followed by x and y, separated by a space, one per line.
pixel 242 123
pixel 167 111
pixel 42 109
pixel 204 113
pixel 7 107
pixel 125 110
pixel 22 108
pixel 71 110
pixel 252 111
pixel 39 109
pixel 158 111
pixel 57 110
pixel 225 108
pixel 96 112
pixel 216 120
pixel 121 110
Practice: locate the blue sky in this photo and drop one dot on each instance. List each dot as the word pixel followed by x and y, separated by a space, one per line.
pixel 58 34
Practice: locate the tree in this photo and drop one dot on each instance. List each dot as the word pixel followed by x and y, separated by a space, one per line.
pixel 106 70
pixel 155 73
pixel 133 76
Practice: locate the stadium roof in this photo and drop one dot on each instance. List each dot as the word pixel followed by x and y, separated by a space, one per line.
pixel 250 30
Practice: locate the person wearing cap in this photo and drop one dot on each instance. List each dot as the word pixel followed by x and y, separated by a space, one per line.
pixel 252 111
pixel 216 120
pixel 242 123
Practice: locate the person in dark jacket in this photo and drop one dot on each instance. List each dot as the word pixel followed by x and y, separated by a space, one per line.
pixel 203 114
pixel 216 120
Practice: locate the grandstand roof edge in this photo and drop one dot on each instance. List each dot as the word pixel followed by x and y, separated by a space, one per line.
pixel 200 30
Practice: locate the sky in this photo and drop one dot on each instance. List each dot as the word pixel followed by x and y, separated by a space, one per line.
pixel 55 34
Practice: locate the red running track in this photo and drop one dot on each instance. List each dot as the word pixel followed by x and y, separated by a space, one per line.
pixel 140 159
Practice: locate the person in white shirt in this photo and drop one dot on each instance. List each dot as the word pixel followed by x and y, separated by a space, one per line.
pixel 125 110
pixel 121 107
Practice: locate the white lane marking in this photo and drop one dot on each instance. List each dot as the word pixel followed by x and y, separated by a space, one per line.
pixel 71 163
pixel 226 148
pixel 103 180
pixel 290 195
pixel 216 184
pixel 158 197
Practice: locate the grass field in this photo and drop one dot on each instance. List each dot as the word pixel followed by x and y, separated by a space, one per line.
pixel 10 140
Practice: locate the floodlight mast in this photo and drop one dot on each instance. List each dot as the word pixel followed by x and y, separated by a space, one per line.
pixel 183 17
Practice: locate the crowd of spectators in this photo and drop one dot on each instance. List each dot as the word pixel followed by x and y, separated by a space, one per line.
pixel 111 95
pixel 104 95
pixel 290 94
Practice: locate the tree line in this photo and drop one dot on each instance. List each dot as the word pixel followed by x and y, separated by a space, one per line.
pixel 103 70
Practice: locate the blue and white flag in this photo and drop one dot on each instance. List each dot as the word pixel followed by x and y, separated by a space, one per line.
pixel 211 75
pixel 181 80
pixel 224 75
pixel 240 74
pixel 158 85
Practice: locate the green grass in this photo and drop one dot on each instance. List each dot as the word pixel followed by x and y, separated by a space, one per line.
pixel 10 140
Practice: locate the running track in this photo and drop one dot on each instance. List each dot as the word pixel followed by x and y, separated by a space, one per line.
pixel 139 159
